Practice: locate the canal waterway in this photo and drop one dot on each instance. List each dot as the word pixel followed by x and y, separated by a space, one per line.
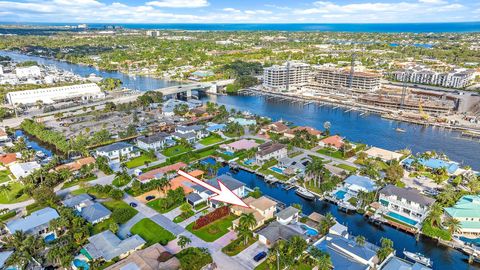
pixel 443 257
pixel 368 128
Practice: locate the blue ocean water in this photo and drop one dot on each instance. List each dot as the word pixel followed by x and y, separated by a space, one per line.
pixel 329 27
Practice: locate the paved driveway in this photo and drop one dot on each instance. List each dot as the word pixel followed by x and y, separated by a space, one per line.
pixel 246 257
pixel 226 239
pixel 125 228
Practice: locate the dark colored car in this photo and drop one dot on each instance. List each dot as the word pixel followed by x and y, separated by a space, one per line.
pixel 149 198
pixel 132 204
pixel 260 256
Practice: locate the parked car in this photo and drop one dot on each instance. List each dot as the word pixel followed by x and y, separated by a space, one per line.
pixel 132 204
pixel 149 198
pixel 260 256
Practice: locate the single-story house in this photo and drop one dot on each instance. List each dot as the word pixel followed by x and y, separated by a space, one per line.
pixel 154 257
pixel 269 150
pixel 20 170
pixel 291 132
pixel 433 164
pixel 107 246
pixel 276 231
pixel 288 215
pixel 4 255
pixel 383 154
pixel 168 106
pixel 314 219
pixel 155 142
pixel 90 210
pixel 161 172
pixel 262 209
pixel 8 159
pixel 212 127
pixel 395 263
pixel 334 141
pixel 467 211
pixel 237 187
pixel 78 202
pixel 277 127
pixel 76 165
pixel 356 183
pixel 36 223
pixel 116 150
pixel 243 121
pixel 239 145
pixel 183 182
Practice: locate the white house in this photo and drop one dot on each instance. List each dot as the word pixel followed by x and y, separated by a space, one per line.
pixel 156 141
pixel 115 150
pixel 20 170
pixel 405 205
pixel 288 215
pixel 270 150
pixel 28 72
pixel 237 187
pixel 190 133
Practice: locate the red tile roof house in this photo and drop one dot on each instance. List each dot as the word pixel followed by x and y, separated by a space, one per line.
pixel 161 172
pixel 334 141
pixel 276 127
pixel 291 133
pixel 242 144
pixel 8 159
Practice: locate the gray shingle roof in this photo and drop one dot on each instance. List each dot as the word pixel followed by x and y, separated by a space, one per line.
pixel 269 147
pixel 276 231
pixel 287 212
pixel 107 245
pixel 229 182
pixel 409 194
pixel 95 212
pixel 76 200
pixel 114 147
pixel 193 197
pixel 157 137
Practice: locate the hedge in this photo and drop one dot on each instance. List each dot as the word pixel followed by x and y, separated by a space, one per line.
pixel 211 217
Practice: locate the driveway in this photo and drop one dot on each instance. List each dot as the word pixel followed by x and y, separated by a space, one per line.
pixel 124 229
pixel 246 256
pixel 226 239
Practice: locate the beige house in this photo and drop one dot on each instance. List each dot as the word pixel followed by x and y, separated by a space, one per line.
pixel 152 258
pixel 262 209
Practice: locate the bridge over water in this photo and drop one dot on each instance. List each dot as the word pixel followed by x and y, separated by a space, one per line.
pixel 210 87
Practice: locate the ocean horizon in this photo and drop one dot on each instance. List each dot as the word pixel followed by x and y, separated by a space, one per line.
pixel 450 27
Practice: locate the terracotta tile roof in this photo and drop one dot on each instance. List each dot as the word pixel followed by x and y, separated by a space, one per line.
pixel 6 159
pixel 278 127
pixel 310 130
pixel 77 164
pixel 3 133
pixel 154 173
pixel 181 181
pixel 334 140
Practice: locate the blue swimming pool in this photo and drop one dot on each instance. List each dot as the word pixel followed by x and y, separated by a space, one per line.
pixel 402 218
pixel 49 238
pixel 309 231
pixel 208 160
pixel 249 161
pixel 277 170
pixel 228 153
pixel 81 264
pixel 340 195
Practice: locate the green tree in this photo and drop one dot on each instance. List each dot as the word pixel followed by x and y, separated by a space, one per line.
pixel 385 249
pixel 26 249
pixel 183 241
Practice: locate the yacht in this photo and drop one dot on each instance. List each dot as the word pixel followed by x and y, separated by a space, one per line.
pixel 304 193
pixel 400 130
pixel 40 154
pixel 418 257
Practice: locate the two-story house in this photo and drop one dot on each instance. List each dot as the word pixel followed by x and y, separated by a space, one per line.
pixel 155 142
pixel 270 150
pixel 116 150
pixel 90 210
pixel 467 211
pixel 406 205
pixel 262 209
pixel 190 133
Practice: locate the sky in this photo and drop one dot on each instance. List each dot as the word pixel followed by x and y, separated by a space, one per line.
pixel 239 11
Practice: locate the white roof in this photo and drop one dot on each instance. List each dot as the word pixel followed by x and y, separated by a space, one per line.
pixel 37 219
pixel 383 154
pixel 24 169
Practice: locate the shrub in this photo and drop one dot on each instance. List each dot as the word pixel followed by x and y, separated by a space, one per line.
pixel 194 258
pixel 211 217
pixel 122 215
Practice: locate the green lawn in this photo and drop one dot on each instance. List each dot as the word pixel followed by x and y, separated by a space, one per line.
pixel 156 205
pixel 152 232
pixel 89 191
pixel 78 181
pixel 237 246
pixel 176 150
pixel 34 207
pixel 102 226
pixel 214 230
pixel 346 167
pixel 15 194
pixel 183 216
pixel 279 176
pixel 331 153
pixel 112 205
pixel 139 161
pixel 212 139
pixel 4 176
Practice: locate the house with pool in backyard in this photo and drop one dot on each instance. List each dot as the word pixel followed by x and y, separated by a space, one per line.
pixel 201 194
pixel 37 223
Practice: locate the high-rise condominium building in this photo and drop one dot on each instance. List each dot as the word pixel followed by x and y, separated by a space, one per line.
pixel 283 78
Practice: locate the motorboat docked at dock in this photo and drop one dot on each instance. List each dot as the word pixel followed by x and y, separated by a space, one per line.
pixel 304 193
pixel 418 257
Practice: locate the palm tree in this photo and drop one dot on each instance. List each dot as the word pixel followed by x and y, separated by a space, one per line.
pixel 322 259
pixel 453 224
pixel 5 189
pixel 435 214
pixel 245 224
pixel 183 241
pixel 360 240
pixel 385 249
pixel 26 249
pixel 162 185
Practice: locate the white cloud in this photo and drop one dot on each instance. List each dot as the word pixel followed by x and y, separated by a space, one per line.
pixel 438 2
pixel 179 3
pixel 258 11
pixel 232 10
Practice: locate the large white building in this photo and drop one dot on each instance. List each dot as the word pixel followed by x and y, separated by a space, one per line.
pixel 54 94
pixel 282 78
pixel 340 78
pixel 28 72
pixel 459 78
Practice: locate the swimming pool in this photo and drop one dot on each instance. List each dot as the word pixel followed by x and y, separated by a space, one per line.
pixel 249 161
pixel 277 170
pixel 49 238
pixel 309 231
pixel 340 194
pixel 81 264
pixel 228 153
pixel 208 160
pixel 402 218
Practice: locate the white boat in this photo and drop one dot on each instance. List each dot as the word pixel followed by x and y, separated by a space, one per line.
pixel 302 192
pixel 40 154
pixel 418 257
pixel 400 130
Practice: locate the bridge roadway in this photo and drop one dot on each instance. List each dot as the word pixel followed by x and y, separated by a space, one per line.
pixel 187 88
